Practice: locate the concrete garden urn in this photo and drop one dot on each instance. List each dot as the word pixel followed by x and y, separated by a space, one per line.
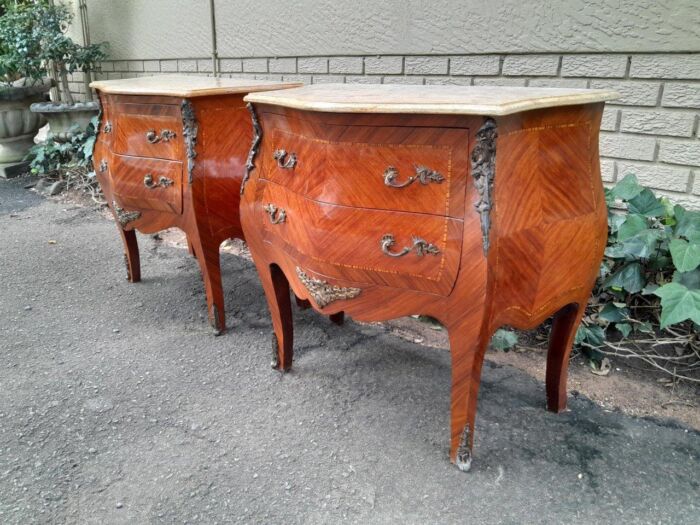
pixel 65 118
pixel 18 124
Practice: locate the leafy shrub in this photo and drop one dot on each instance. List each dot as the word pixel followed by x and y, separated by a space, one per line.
pixel 70 162
pixel 33 41
pixel 650 274
pixel 50 157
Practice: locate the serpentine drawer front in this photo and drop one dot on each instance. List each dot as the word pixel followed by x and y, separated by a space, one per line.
pixel 405 250
pixel 480 207
pixel 171 152
pixel 151 184
pixel 148 130
pixel 393 168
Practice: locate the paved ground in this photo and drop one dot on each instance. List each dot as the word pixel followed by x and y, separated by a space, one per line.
pixel 117 405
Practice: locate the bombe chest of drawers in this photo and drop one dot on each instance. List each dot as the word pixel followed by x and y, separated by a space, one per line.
pixel 171 152
pixel 480 207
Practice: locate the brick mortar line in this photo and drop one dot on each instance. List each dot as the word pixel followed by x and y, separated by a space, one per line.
pixel 441 55
pixel 661 163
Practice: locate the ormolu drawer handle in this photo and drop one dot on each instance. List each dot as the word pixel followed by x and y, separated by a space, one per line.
pixel 280 154
pixel 108 127
pixel 277 215
pixel 162 182
pixel 165 136
pixel 419 245
pixel 423 175
pixel 103 165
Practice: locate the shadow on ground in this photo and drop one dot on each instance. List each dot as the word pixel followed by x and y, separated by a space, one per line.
pixel 117 405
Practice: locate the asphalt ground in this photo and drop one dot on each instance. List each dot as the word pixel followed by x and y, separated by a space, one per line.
pixel 118 405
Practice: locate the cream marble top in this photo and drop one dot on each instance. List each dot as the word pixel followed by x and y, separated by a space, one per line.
pixel 467 100
pixel 186 86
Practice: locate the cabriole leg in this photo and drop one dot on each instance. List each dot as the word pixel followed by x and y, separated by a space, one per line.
pixel 276 288
pixel 207 254
pixel 337 318
pixel 131 255
pixel 467 347
pixel 564 326
pixel 190 247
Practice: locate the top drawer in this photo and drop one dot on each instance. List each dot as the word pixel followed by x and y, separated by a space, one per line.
pixel 420 170
pixel 143 130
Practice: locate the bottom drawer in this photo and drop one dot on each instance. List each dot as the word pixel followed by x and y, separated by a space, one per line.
pixel 151 184
pixel 407 250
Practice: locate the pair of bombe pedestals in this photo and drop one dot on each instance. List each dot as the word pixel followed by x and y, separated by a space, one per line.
pixel 480 207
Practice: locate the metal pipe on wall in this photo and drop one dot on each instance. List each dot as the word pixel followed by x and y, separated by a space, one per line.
pixel 87 77
pixel 214 51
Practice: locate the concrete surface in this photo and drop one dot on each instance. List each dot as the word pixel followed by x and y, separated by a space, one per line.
pixel 117 405
pixel 254 28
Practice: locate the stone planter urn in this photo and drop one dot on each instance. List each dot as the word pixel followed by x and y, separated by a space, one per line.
pixel 18 124
pixel 63 117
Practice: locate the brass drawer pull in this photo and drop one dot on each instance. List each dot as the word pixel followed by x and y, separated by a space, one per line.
pixel 280 154
pixel 421 247
pixel 423 175
pixel 103 165
pixel 277 215
pixel 165 136
pixel 108 127
pixel 162 182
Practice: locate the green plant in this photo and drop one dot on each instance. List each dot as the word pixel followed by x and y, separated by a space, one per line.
pixel 33 42
pixel 650 274
pixel 70 162
pixel 50 157
pixel 59 49
pixel 20 52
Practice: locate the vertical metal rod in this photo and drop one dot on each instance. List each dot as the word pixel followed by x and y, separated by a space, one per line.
pixel 53 74
pixel 87 77
pixel 214 51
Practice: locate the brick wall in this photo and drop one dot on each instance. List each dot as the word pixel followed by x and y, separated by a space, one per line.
pixel 652 131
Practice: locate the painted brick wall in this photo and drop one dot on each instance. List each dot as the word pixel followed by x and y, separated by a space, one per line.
pixel 652 131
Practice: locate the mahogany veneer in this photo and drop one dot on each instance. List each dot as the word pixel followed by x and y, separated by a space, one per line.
pixel 171 152
pixel 475 206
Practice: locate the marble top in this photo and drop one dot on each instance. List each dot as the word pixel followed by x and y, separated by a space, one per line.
pixel 186 86
pixel 465 100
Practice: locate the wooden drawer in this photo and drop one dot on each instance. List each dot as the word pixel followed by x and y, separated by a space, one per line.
pixel 419 170
pixel 153 184
pixel 147 130
pixel 304 161
pixel 354 243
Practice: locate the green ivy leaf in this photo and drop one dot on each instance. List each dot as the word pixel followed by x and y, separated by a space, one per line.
pixel 632 225
pixel 615 220
pixel 642 245
pixel 649 289
pixel 688 224
pixel 628 188
pixel 614 313
pixel 647 204
pixel 644 327
pixel 616 251
pixel 678 304
pixel 660 262
pixel 504 339
pixel 686 255
pixel 593 335
pixel 623 328
pixel 691 280
pixel 629 277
